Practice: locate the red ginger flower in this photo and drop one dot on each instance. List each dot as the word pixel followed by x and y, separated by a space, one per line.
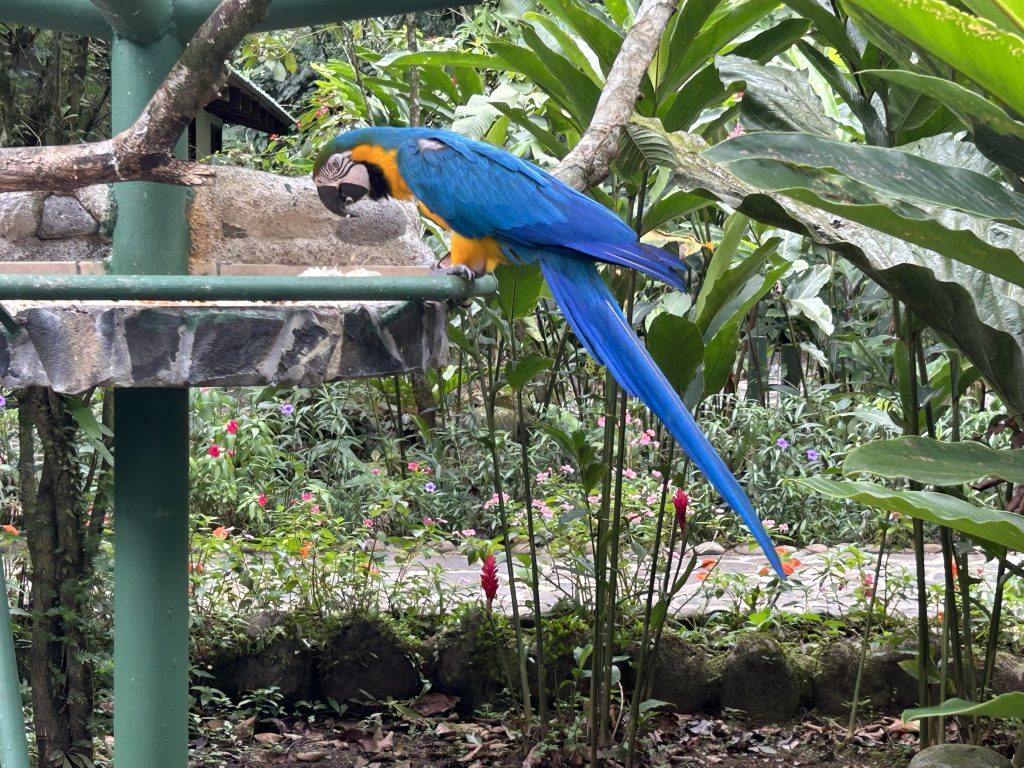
pixel 681 501
pixel 214 451
pixel 489 579
pixel 231 427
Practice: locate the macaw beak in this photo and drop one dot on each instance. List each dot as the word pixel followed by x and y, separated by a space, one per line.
pixel 341 182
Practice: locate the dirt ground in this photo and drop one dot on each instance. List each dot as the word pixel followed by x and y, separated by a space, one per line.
pixel 406 739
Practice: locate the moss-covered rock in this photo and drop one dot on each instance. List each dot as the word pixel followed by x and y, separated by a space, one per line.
pixel 885 686
pixel 759 680
pixel 364 660
pixel 680 674
pixel 474 660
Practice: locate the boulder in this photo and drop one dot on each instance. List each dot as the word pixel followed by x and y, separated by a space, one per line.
pixel 759 680
pixel 472 663
pixel 1007 673
pixel 886 686
pixel 680 674
pixel 363 660
pixel 958 756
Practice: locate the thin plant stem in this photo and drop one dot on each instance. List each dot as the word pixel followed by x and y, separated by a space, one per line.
pixel 538 617
pixel 865 641
pixel 524 678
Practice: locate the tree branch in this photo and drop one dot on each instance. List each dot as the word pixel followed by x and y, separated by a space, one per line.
pixel 588 162
pixel 145 150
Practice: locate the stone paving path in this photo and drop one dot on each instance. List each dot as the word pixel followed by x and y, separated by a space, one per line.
pixel 827 580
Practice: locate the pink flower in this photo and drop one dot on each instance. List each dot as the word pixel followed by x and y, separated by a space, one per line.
pixel 655 473
pixel 542 477
pixel 231 427
pixel 737 131
pixel 375 471
pixel 783 527
pixel 262 499
pixel 489 580
pixel 315 509
pixel 568 469
pixel 631 474
pixel 368 522
pixel 307 496
pixel 413 466
pixel 467 532
pixel 428 521
pixel 600 421
pixel 214 451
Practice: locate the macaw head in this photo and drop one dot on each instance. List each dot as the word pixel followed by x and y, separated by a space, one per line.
pixel 358 164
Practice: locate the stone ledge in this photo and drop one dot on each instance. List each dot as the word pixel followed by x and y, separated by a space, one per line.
pixel 73 347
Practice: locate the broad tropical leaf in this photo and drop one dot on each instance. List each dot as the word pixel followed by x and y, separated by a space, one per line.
pixel 934 462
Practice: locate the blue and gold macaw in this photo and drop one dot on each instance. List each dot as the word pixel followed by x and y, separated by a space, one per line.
pixel 501 209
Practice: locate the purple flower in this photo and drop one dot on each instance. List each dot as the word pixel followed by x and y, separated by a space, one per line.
pixel 813 455
pixel 429 487
pixel 3 402
pixel 782 442
pixel 287 408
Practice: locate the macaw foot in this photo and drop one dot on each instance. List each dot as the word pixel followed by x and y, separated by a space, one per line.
pixel 459 270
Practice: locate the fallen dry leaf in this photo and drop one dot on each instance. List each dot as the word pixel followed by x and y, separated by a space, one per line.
pixel 268 738
pixel 434 703
pixel 314 756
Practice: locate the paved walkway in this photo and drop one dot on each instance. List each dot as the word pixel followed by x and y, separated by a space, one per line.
pixel 826 581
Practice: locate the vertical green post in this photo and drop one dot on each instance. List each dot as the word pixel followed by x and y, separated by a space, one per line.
pixel 151 475
pixel 13 745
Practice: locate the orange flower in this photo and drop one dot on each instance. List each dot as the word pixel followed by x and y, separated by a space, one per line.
pixel 10 529
pixel 370 568
pixel 304 549
pixel 781 550
pixel 708 564
pixel 764 571
pixel 220 532
pixel 789 566
pixel 700 575
pixel 952 568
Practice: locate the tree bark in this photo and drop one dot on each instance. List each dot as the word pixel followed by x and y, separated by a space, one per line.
pixel 54 512
pixel 144 151
pixel 587 165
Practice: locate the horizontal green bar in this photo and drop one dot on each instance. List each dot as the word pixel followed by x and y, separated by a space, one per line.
pixel 189 14
pixel 81 17
pixel 78 17
pixel 436 287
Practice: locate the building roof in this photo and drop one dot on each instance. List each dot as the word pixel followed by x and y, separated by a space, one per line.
pixel 242 102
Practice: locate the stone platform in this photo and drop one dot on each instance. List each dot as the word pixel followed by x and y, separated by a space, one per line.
pixel 73 347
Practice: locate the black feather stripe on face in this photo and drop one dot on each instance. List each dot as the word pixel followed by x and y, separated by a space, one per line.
pixel 379 186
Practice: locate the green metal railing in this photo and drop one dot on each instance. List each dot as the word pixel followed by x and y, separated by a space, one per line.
pixel 436 287
pixel 13 746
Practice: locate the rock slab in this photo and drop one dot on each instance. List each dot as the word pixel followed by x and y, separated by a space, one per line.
pixel 958 756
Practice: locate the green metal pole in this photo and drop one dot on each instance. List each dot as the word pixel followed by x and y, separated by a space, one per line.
pixel 240 288
pixel 151 474
pixel 13 746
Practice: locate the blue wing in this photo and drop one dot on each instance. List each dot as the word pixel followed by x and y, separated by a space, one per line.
pixel 595 316
pixel 482 191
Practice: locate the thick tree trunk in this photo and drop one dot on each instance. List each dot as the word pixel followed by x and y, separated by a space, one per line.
pixel 56 527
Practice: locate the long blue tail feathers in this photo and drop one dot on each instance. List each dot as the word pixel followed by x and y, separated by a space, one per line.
pixel 594 314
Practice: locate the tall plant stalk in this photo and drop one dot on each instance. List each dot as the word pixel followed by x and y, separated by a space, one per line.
pixel 489 395
pixel 524 445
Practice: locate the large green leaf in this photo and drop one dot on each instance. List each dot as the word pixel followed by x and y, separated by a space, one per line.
pixel 885 189
pixel 1006 705
pixel 971 105
pixel 641 147
pixel 981 315
pixel 719 357
pixel 983 523
pixel 730 21
pixel 831 28
pixel 604 39
pixel 935 462
pixel 897 175
pixel 677 347
pixel 442 59
pixel 519 288
pixel 671 206
pixel 976 47
pixel 774 98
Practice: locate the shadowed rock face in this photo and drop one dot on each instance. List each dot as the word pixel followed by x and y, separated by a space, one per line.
pixel 71 348
pixel 241 216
